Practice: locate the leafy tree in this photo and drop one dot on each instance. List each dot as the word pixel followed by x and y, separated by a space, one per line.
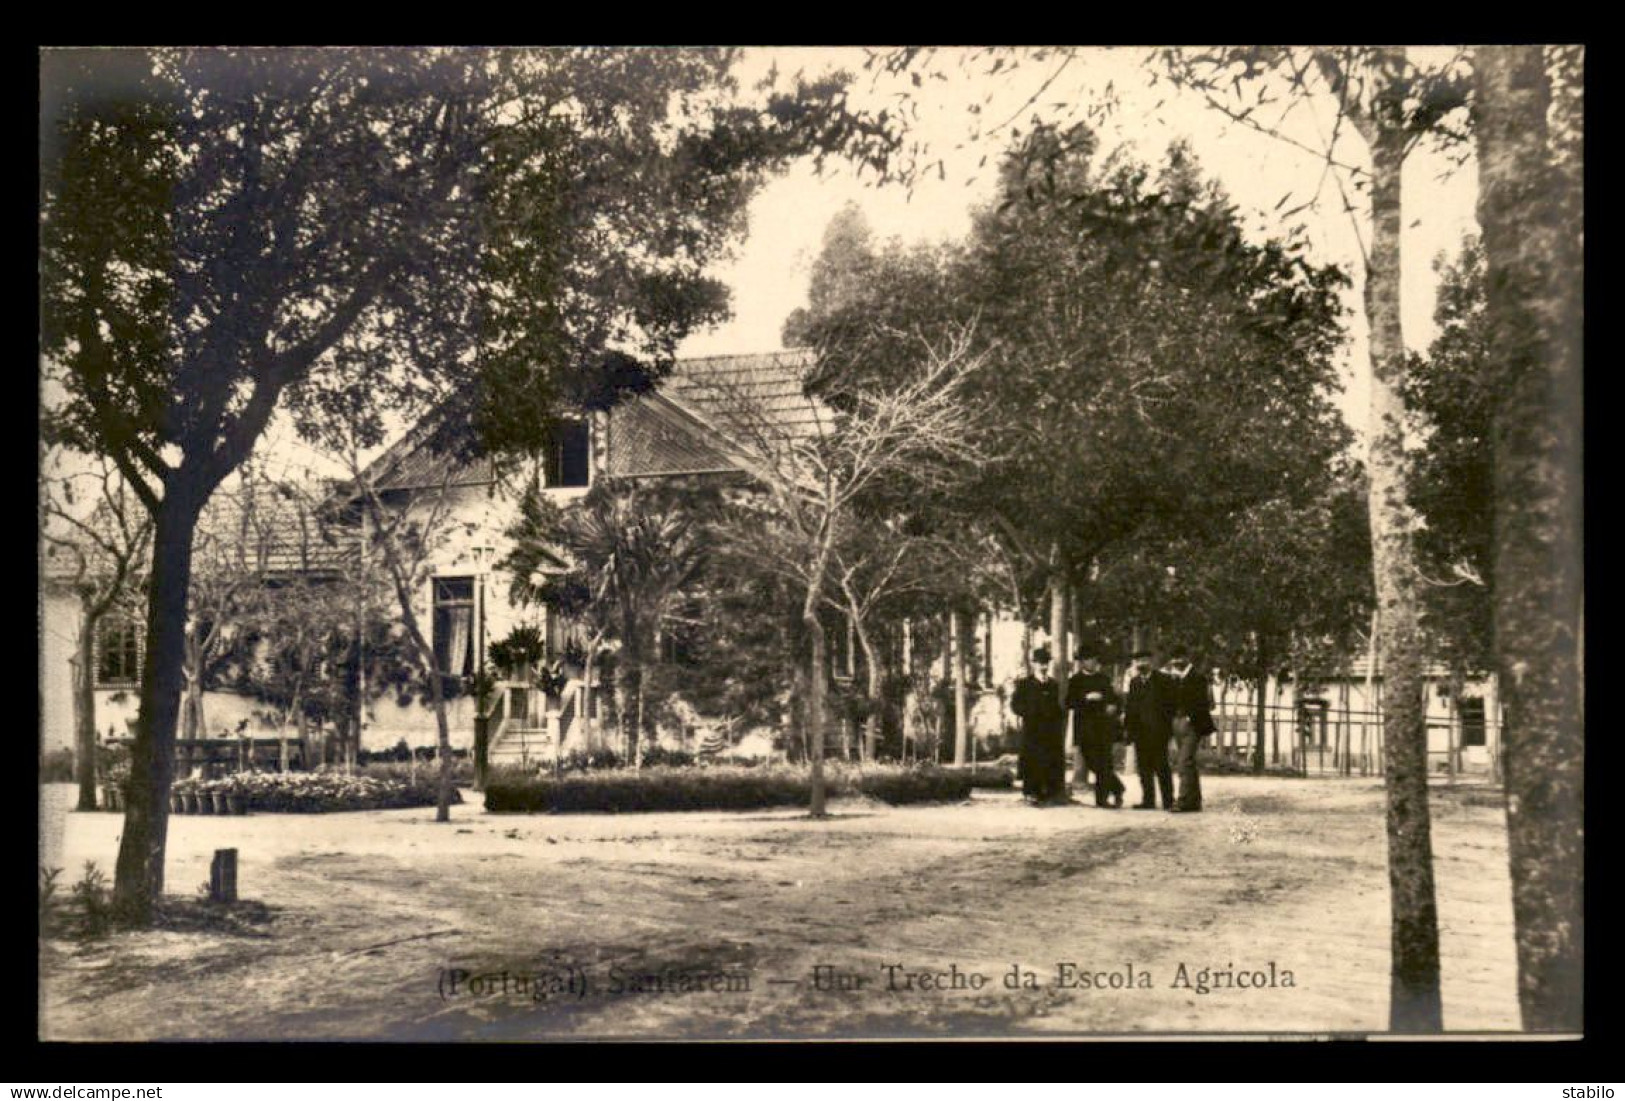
pixel 845 264
pixel 1452 479
pixel 343 233
pixel 1282 588
pixel 1392 105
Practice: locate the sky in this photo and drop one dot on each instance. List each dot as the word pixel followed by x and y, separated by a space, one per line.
pixel 769 271
pixel 1262 174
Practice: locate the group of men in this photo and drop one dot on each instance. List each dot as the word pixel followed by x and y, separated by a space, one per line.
pixel 1162 705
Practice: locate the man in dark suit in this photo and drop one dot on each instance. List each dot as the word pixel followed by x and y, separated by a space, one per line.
pixel 1190 715
pixel 1092 699
pixel 1146 725
pixel 1037 700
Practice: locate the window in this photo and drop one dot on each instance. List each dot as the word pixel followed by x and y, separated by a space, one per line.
pixel 454 625
pixel 568 452
pixel 1471 711
pixel 118 651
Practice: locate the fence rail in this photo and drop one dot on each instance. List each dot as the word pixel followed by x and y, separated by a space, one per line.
pixel 1338 741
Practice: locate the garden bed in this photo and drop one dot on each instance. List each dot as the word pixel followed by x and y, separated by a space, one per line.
pixel 319 792
pixel 714 788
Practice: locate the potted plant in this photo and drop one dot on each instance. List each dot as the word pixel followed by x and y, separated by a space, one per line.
pixel 236 798
pixel 517 654
pixel 575 657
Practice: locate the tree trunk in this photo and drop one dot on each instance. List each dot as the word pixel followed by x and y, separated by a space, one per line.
pixel 1368 733
pixel 84 712
pixel 589 717
pixel 442 808
pixel 956 644
pixel 1275 723
pixel 1414 984
pixel 1263 710
pixel 814 713
pixel 907 717
pixel 871 722
pixel 1057 634
pixel 138 880
pixel 1534 308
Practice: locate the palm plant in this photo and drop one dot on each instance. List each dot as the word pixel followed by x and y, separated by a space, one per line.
pixel 611 565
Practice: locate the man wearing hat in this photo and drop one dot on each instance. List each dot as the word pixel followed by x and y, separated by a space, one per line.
pixel 1147 728
pixel 1190 716
pixel 1091 697
pixel 1036 699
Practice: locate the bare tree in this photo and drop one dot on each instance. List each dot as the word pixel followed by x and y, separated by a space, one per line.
pixel 402 536
pixel 90 517
pixel 877 564
pixel 814 469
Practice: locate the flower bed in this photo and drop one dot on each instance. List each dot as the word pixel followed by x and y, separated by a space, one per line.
pixel 713 788
pixel 317 792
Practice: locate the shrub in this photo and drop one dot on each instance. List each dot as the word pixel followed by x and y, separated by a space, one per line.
pixel 1224 762
pixel 656 756
pixel 86 912
pixel 584 760
pixel 93 902
pixel 987 776
pixel 408 772
pixel 916 785
pixel 722 787
pixel 56 767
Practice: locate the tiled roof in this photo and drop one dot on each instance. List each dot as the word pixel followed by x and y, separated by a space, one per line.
pixel 745 396
pixel 423 467
pixel 715 410
pixel 277 529
pixel 647 438
pixel 277 526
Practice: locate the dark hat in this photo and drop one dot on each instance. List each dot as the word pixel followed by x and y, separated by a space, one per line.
pixel 1138 654
pixel 1042 655
pixel 1086 653
pixel 1179 653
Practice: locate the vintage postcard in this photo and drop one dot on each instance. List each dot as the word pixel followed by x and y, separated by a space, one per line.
pixel 808 544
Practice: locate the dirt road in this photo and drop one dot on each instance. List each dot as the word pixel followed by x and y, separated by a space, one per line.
pixel 1268 913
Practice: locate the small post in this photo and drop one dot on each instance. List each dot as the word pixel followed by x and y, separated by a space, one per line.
pixel 223 876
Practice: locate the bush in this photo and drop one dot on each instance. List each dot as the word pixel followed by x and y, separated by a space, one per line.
pixel 1226 763
pixel 721 787
pixel 56 767
pixel 916 785
pixel 659 756
pixel 86 912
pixel 987 776
pixel 407 772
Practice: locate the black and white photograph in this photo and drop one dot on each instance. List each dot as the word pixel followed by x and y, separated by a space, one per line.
pixel 581 543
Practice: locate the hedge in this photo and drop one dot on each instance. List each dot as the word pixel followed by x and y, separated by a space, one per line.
pixel 722 787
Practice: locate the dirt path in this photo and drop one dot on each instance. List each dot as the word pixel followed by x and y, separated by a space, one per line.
pixel 387 925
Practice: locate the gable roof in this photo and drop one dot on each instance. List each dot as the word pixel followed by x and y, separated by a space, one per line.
pixel 282 527
pixel 745 394
pixel 278 526
pixel 706 417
